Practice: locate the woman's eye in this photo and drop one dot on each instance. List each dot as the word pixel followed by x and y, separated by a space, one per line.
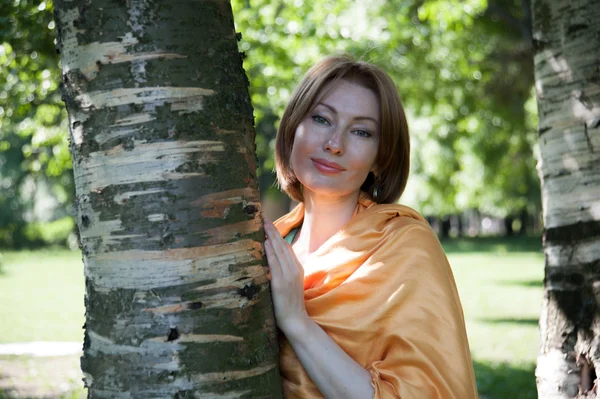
pixel 362 133
pixel 320 119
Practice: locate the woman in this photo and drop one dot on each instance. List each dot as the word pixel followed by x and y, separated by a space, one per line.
pixel 361 287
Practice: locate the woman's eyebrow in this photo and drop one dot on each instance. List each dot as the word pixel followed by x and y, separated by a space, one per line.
pixel 357 118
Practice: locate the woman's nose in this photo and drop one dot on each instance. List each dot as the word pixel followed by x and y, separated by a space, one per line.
pixel 335 143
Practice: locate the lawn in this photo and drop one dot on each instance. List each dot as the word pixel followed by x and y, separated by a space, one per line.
pixel 500 284
pixel 499 280
pixel 42 295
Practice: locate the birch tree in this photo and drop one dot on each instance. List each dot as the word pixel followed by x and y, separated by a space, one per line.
pixel 566 37
pixel 162 141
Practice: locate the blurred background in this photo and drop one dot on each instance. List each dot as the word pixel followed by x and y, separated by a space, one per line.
pixel 465 73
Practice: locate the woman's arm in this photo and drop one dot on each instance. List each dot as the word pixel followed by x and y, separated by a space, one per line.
pixel 334 373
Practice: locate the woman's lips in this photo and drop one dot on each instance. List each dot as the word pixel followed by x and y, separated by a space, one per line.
pixel 325 166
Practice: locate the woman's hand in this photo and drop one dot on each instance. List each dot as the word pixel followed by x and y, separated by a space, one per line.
pixel 332 370
pixel 287 282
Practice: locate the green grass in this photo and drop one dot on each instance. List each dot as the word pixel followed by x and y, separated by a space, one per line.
pixel 43 377
pixel 500 285
pixel 41 293
pixel 499 281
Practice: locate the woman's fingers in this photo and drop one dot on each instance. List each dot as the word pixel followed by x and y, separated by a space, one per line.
pixel 271 231
pixel 282 253
pixel 278 244
pixel 287 279
pixel 274 265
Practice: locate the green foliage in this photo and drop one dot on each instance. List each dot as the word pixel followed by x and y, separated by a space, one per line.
pixel 464 72
pixel 465 77
pixel 283 39
pixel 33 139
pixel 50 233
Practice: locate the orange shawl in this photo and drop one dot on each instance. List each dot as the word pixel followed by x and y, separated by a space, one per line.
pixel 383 290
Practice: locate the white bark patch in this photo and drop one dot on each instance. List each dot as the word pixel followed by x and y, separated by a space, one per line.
pixel 135 10
pixel 558 77
pixel 206 338
pixel 100 344
pixel 152 269
pixel 157 217
pixel 229 375
pixel 203 338
pixel 77 132
pixel 224 300
pixel 559 66
pixel 105 136
pixel 89 380
pixel 170 366
pixel 570 191
pixel 146 162
pixel 86 57
pixel 111 394
pixel 100 228
pixel 138 67
pixel 133 119
pixel 584 251
pixel 76 121
pixel 229 395
pixel 552 367
pixel 183 99
pixel 70 45
pixel 121 198
pixel 90 57
pixel 120 129
pixel 566 201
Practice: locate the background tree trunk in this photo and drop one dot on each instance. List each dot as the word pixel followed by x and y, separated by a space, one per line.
pixel 167 201
pixel 567 61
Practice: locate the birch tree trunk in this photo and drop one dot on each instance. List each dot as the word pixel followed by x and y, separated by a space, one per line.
pixel 162 140
pixel 567 69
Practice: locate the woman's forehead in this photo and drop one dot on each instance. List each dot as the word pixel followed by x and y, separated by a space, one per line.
pixel 346 96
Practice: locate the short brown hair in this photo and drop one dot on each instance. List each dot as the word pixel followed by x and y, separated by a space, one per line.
pixel 393 157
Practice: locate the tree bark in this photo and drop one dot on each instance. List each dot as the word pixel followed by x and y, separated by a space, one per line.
pixel 566 41
pixel 446 227
pixel 525 223
pixel 508 228
pixel 167 201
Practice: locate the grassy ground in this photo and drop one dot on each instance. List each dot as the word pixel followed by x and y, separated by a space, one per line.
pixel 41 294
pixel 43 377
pixel 500 284
pixel 499 281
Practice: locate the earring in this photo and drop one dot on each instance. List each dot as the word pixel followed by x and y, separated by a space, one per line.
pixel 376 192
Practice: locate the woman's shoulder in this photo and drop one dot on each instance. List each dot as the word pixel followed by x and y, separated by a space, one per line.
pixel 395 212
pixel 396 217
pixel 393 228
pixel 407 247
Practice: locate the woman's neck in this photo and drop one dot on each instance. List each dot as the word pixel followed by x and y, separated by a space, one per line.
pixel 323 217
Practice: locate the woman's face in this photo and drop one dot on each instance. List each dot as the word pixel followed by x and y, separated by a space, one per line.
pixel 337 142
